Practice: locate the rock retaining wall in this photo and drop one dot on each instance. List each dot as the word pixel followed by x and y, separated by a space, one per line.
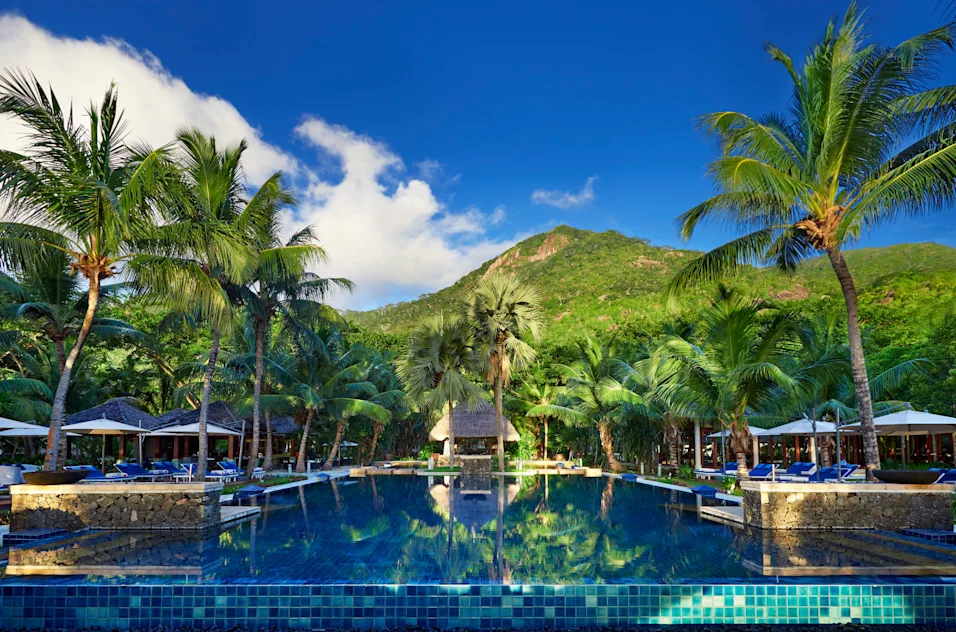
pixel 847 506
pixel 115 506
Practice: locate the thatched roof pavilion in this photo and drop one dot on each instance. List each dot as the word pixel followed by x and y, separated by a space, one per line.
pixel 473 424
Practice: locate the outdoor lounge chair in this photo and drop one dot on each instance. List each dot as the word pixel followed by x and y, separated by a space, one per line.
pixel 96 476
pixel 797 470
pixel 762 472
pixel 175 471
pixel 10 475
pixel 135 471
pixel 829 474
pixel 947 477
pixel 230 465
pixel 730 469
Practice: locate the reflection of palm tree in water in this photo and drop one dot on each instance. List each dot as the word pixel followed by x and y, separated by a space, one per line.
pixel 339 507
pixel 607 500
pixel 252 546
pixel 377 502
pixel 501 567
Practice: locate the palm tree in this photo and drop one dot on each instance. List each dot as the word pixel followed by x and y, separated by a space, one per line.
pixel 595 394
pixel 75 190
pixel 441 353
pixel 504 312
pixel 737 369
pixel 382 375
pixel 332 379
pixel 865 142
pixel 280 282
pixel 201 252
pixel 530 395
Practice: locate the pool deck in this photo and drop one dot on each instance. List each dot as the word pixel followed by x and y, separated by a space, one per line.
pixel 731 515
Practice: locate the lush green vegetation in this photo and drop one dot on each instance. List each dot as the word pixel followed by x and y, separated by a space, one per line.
pixel 607 343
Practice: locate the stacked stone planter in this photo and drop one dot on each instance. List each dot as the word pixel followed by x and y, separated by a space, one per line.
pixel 822 506
pixel 115 506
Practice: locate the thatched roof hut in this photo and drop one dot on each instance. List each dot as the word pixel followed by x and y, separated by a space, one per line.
pixel 473 424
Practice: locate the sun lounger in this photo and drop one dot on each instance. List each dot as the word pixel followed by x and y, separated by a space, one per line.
pixel 135 472
pixel 947 477
pixel 828 474
pixel 762 472
pixel 96 476
pixel 729 469
pixel 175 471
pixel 797 470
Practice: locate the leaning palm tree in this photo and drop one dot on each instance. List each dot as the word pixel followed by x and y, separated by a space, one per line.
pixel 595 394
pixel 865 142
pixel 280 282
pixel 435 370
pixel 504 312
pixel 77 190
pixel 203 243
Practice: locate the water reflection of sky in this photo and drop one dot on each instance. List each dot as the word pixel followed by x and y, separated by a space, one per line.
pixel 551 530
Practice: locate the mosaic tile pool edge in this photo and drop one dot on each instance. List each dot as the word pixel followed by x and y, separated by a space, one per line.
pixel 465 606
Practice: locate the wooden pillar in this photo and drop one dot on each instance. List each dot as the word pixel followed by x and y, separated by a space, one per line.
pixel 698 455
pixel 714 452
pixel 175 447
pixel 232 448
pixel 796 447
pixel 122 446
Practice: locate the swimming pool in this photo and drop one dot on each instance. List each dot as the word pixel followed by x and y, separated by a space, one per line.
pixel 532 551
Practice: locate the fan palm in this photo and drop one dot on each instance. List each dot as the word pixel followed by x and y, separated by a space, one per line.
pixel 504 312
pixel 201 251
pixel 595 394
pixel 435 370
pixel 844 161
pixel 281 282
pixel 80 191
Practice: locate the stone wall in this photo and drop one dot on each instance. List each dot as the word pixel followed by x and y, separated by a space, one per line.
pixel 475 472
pixel 847 506
pixel 115 506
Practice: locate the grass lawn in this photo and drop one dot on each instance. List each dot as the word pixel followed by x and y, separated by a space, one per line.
pixel 693 482
pixel 232 488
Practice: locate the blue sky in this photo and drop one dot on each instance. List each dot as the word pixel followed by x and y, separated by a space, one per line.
pixel 485 103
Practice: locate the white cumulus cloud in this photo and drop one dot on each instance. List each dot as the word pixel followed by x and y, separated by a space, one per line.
pixel 565 199
pixel 155 102
pixel 386 232
pixel 383 229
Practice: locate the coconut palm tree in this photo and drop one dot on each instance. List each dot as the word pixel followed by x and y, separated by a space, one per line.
pixel 281 282
pixel 595 394
pixel 202 251
pixel 331 378
pixel 738 368
pixel 866 141
pixel 435 370
pixel 504 313
pixel 78 190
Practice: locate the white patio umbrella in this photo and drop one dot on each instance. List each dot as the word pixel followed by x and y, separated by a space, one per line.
pixel 193 429
pixel 32 431
pixel 105 427
pixel 757 432
pixel 910 422
pixel 6 424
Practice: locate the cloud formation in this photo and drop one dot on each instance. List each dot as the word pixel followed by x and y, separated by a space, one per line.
pixel 389 234
pixel 155 103
pixel 565 199
pixel 384 230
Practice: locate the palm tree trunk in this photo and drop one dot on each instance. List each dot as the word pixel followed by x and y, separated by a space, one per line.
pixel 499 405
pixel 451 435
pixel 256 397
pixel 304 443
pixel 545 438
pixel 267 462
pixel 871 454
pixel 339 431
pixel 604 429
pixel 740 442
pixel 376 433
pixel 59 401
pixel 204 405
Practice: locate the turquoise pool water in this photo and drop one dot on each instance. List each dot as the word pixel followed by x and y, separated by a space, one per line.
pixel 538 551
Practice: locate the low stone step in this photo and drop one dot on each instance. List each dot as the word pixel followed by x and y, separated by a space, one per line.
pixel 27 536
pixel 933 535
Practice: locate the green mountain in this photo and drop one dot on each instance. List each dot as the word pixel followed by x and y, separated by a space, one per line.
pixel 599 282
